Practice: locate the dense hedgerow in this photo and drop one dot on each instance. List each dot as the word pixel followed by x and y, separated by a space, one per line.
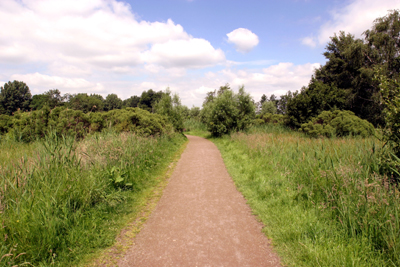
pixel 30 126
pixel 337 123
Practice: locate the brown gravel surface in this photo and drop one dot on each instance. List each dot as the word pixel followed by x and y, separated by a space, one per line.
pixel 201 219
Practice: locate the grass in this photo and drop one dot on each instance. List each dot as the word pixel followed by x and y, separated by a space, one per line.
pixel 321 200
pixel 61 200
pixel 195 127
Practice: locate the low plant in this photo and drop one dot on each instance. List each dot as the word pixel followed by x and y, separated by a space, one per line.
pixel 337 123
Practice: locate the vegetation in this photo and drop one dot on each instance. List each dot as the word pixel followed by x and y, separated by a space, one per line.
pixel 337 123
pixel 62 199
pixel 347 81
pixel 321 200
pixel 227 111
pixel 30 126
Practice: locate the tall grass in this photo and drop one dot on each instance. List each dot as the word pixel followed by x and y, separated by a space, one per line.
pixel 61 199
pixel 321 200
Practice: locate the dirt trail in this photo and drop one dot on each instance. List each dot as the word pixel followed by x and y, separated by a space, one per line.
pixel 201 219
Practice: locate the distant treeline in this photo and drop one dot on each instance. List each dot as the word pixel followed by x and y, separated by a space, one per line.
pixel 17 96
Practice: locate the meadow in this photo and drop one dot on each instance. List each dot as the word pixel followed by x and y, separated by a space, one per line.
pixel 62 199
pixel 322 200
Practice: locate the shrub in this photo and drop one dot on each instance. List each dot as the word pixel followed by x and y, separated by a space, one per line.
pixel 337 123
pixel 228 112
pixel 273 118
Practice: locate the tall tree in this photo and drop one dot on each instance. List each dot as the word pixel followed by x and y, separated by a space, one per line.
pixel 112 102
pixel 13 96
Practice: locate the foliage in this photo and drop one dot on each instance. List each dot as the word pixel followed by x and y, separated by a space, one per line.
pixel 30 126
pixel 86 103
pixel 51 98
pixel 132 102
pixel 61 199
pixel 228 111
pixel 171 108
pixel 337 123
pixel 347 79
pixel 321 200
pixel 14 96
pixel 148 99
pixel 312 100
pixel 273 118
pixel 390 90
pixel 194 112
pixel 268 107
pixel 112 102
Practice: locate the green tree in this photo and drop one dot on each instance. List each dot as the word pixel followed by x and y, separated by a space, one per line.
pixel 148 99
pixel 132 102
pixel 112 102
pixel 170 107
pixel 312 100
pixel 51 98
pixel 228 112
pixel 268 107
pixel 14 96
pixel 86 103
pixel 384 43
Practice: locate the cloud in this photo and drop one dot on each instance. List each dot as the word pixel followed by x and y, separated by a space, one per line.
pixel 354 18
pixel 94 35
pixel 192 53
pixel 243 39
pixel 40 82
pixel 277 79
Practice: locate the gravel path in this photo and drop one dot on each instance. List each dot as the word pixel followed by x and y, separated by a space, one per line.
pixel 201 219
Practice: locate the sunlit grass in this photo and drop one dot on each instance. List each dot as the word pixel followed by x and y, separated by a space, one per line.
pixel 321 200
pixel 61 199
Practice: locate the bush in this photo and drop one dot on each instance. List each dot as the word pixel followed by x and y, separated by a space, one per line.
pixel 337 123
pixel 273 118
pixel 30 126
pixel 228 112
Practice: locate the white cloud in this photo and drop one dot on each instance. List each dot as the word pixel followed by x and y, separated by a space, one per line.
pixel 355 18
pixel 277 79
pixel 192 53
pixel 40 82
pixel 94 35
pixel 244 39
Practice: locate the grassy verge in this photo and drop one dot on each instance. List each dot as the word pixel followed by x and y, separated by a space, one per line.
pixel 61 200
pixel 320 199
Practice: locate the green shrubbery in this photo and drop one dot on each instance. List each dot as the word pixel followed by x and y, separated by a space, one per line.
pixel 228 111
pixel 337 123
pixel 30 126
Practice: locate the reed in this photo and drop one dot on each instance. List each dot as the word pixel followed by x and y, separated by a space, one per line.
pixel 61 199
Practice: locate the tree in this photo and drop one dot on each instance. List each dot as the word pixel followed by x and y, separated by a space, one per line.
pixel 85 103
pixel 268 107
pixel 312 100
pixel 228 112
pixel 384 43
pixel 170 108
pixel 112 102
pixel 148 99
pixel 51 98
pixel 14 96
pixel 263 99
pixel 132 102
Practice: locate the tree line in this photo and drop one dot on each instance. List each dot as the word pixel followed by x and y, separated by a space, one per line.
pixel 17 96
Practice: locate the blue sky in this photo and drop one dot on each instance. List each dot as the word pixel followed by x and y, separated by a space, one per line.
pixel 126 47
